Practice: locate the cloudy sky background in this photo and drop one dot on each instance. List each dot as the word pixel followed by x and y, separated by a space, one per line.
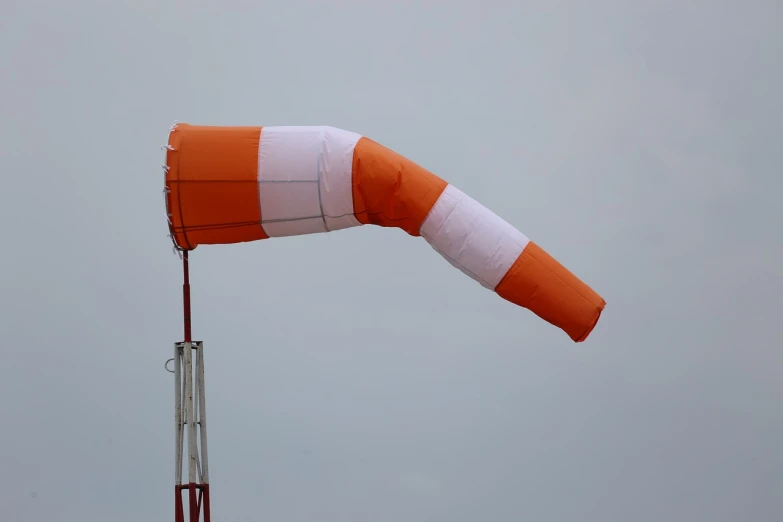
pixel 356 376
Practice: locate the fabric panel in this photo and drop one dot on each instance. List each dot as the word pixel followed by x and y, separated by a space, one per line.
pixel 212 187
pixel 337 178
pixel 472 237
pixel 390 190
pixel 541 284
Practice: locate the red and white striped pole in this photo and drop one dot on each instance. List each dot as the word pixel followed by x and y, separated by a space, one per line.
pixel 190 412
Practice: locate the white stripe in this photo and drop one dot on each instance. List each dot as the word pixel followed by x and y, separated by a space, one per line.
pixel 337 178
pixel 305 178
pixel 472 237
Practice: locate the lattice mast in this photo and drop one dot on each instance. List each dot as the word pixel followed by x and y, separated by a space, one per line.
pixel 190 418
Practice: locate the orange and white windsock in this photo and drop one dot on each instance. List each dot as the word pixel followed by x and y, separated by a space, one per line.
pixel 236 184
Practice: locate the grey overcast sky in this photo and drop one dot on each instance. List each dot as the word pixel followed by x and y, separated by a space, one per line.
pixel 356 376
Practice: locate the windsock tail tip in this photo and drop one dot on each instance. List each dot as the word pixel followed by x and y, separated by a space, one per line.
pixel 591 326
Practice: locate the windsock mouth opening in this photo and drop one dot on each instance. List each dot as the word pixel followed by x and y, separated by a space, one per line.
pixel 174 219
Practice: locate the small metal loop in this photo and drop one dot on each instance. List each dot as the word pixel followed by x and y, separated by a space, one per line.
pixel 167 365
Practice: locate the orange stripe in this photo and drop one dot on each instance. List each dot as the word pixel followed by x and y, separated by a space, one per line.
pixel 390 190
pixel 213 183
pixel 539 283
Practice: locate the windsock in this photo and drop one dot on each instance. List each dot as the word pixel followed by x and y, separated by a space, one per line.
pixel 235 184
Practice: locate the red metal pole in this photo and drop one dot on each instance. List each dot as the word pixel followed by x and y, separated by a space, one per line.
pixel 186 296
pixel 179 512
pixel 193 504
pixel 205 488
